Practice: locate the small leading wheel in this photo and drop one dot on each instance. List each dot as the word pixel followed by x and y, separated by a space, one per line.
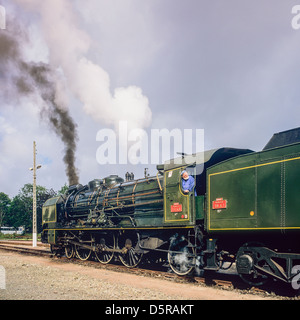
pixel 104 242
pixel 82 252
pixel 131 256
pixel 181 255
pixel 69 251
pixel 68 247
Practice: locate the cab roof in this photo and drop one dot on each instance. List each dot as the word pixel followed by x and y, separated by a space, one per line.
pixel 206 158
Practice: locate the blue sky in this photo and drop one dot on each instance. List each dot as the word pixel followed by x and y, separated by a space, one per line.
pixel 230 68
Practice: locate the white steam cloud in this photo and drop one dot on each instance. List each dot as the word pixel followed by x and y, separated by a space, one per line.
pixel 68 47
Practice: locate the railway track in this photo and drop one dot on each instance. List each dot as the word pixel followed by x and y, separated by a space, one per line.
pixel 25 247
pixel 224 281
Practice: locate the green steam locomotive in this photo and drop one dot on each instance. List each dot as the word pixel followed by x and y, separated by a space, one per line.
pixel 244 207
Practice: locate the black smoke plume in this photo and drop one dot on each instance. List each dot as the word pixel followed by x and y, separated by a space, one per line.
pixel 23 78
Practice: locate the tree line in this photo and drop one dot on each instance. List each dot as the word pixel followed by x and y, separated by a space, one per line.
pixel 17 211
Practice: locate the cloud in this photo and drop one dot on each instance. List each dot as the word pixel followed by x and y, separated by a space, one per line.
pixel 51 73
pixel 87 80
pixel 231 69
pixel 228 68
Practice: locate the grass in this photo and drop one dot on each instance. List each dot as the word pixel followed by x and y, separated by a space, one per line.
pixel 26 236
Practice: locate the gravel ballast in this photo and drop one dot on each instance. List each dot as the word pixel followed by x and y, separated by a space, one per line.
pixel 41 278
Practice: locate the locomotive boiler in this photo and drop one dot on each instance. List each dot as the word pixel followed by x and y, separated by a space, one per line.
pixel 244 208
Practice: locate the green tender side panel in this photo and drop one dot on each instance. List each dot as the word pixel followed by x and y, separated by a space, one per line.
pixel 232 198
pixel 49 210
pixel 269 186
pixel 258 191
pixel 290 215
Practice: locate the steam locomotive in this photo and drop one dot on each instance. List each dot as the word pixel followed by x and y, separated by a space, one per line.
pixel 246 209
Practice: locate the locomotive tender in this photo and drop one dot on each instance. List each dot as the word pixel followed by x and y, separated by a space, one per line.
pixel 246 210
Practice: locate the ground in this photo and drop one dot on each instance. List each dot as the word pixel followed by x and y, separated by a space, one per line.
pixel 42 278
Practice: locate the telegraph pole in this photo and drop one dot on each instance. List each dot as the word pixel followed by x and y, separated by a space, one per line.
pixel 34 227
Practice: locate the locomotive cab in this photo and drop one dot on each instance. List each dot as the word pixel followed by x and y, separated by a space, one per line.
pixel 188 208
pixel 179 207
